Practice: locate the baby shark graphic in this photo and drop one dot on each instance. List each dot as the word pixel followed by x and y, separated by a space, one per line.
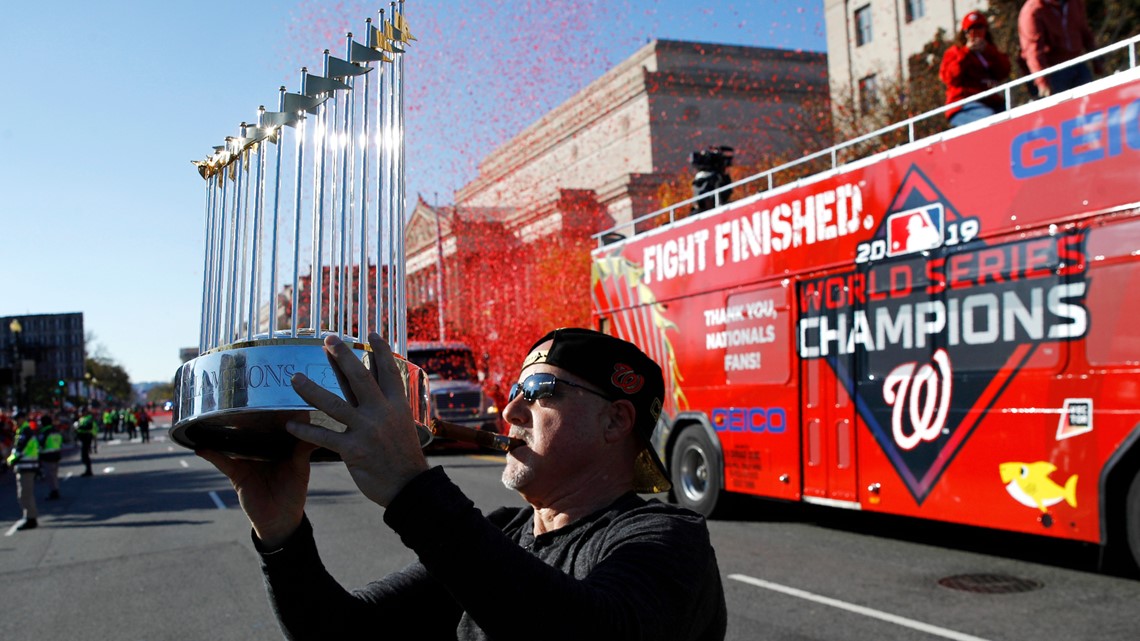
pixel 1030 485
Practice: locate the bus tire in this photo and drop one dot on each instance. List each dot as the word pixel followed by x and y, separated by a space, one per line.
pixel 695 472
pixel 1132 518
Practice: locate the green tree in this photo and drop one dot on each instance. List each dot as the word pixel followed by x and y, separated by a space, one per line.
pixel 160 392
pixel 111 378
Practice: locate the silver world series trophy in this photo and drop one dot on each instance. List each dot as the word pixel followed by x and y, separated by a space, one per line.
pixel 304 237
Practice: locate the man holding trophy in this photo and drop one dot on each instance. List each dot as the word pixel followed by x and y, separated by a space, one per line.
pixel 588 559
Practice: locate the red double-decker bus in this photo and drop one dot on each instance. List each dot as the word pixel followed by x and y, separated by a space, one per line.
pixel 948 330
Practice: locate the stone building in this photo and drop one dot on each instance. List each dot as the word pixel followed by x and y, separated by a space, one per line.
pixel 515 243
pixel 38 350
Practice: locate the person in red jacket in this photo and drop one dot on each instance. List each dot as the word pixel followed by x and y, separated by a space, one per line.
pixel 1052 32
pixel 970 66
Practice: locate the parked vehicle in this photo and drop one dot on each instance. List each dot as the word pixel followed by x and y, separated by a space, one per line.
pixel 457 394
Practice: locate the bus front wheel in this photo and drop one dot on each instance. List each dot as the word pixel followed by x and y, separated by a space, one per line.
pixel 695 472
pixel 1132 519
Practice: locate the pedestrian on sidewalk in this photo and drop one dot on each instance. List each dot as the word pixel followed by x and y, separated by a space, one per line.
pixel 25 460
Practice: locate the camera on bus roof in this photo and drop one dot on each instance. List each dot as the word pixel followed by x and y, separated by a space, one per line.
pixel 713 158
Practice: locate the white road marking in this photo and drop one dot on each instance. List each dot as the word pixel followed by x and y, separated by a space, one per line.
pixel 217 500
pixel 12 530
pixel 183 462
pixel 857 609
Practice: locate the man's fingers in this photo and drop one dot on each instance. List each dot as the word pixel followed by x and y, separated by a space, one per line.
pixel 322 399
pixel 224 463
pixel 341 379
pixel 349 367
pixel 317 436
pixel 387 373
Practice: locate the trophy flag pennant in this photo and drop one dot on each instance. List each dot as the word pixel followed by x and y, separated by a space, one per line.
pixel 296 102
pixel 254 135
pixel 358 53
pixel 393 34
pixel 338 68
pixel 402 26
pixel 279 118
pixel 379 40
pixel 315 85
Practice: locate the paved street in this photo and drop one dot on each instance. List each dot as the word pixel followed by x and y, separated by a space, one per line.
pixel 154 547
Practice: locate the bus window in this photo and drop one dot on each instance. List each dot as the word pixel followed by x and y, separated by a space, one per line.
pixel 759 337
pixel 1114 275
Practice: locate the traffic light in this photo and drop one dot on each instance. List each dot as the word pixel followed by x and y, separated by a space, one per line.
pixel 62 382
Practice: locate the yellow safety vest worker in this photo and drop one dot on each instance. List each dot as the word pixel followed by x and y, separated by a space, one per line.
pixel 28 456
pixel 52 444
pixel 87 425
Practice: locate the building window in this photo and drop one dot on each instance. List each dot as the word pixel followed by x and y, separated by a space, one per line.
pixel 915 9
pixel 868 93
pixel 862 25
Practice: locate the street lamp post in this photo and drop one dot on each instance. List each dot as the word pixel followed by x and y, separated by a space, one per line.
pixel 17 361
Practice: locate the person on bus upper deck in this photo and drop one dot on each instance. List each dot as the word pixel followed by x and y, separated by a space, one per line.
pixel 970 66
pixel 587 559
pixel 1052 32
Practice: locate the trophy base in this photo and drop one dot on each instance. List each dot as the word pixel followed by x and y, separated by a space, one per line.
pixel 236 400
pixel 257 434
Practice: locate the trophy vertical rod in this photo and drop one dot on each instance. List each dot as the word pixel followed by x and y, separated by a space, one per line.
pixel 204 329
pixel 362 283
pixel 379 285
pixel 274 227
pixel 245 152
pixel 253 321
pixel 354 267
pixel 332 130
pixel 296 293
pixel 316 286
pixel 235 233
pixel 219 264
pixel 343 317
pixel 389 209
pixel 401 337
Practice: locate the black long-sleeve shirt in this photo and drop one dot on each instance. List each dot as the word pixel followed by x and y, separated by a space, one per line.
pixel 635 570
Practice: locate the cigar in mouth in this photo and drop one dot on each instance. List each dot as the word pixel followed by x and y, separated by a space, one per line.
pixel 490 440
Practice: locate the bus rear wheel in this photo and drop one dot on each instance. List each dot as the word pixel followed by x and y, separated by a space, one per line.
pixel 695 472
pixel 1132 519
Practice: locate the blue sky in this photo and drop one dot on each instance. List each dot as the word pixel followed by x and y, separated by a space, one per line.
pixel 108 102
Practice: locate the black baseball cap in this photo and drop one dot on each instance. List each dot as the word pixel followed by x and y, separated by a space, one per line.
pixel 620 370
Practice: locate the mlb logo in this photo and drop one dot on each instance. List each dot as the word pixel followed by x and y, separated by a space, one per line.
pixel 914 230
pixel 1076 418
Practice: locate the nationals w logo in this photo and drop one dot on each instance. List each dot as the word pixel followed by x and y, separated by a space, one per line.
pixel 891 327
pixel 920 400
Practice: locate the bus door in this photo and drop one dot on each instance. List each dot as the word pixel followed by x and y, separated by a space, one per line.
pixel 828 413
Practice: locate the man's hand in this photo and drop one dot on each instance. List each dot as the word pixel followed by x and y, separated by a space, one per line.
pixel 380 446
pixel 272 493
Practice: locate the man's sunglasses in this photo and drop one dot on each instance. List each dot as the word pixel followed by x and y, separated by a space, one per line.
pixel 538 386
